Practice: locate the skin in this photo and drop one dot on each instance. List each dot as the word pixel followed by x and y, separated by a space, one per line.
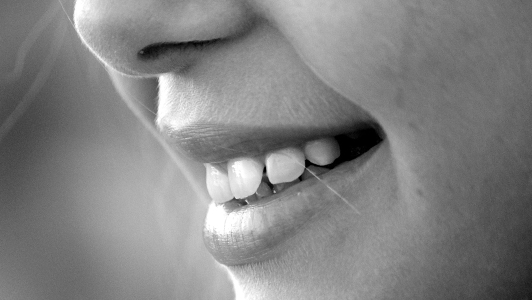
pixel 447 212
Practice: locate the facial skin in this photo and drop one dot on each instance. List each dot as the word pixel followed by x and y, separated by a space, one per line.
pixel 445 212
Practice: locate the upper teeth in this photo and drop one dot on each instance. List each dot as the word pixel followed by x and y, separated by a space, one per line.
pixel 245 175
pixel 285 165
pixel 242 176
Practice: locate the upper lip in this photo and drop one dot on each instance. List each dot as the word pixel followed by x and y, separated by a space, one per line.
pixel 214 143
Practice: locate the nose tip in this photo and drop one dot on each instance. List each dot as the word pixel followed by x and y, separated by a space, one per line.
pixel 151 37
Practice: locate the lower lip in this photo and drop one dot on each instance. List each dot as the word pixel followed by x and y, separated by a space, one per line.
pixel 258 231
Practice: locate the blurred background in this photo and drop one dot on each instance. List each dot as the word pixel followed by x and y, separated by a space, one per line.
pixel 92 205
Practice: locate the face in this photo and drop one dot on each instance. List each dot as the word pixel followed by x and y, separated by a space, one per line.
pixel 435 95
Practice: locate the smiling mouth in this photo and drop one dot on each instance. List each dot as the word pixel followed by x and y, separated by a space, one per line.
pixel 261 201
pixel 244 180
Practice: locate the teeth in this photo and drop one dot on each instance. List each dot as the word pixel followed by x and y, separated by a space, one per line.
pixel 245 175
pixel 323 151
pixel 218 184
pixel 285 165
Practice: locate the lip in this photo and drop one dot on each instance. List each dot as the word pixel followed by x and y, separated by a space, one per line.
pixel 208 143
pixel 263 229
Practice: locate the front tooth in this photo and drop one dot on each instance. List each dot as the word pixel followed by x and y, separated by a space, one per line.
pixel 323 151
pixel 285 165
pixel 218 184
pixel 245 175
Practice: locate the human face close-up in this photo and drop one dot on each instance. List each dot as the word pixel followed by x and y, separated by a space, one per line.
pixel 428 102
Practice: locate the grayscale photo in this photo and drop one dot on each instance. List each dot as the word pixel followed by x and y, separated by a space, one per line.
pixel 265 149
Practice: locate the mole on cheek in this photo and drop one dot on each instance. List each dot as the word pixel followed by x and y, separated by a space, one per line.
pixel 413 126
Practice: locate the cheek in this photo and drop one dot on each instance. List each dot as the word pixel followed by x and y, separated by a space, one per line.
pixel 398 59
pixel 436 75
pixel 350 45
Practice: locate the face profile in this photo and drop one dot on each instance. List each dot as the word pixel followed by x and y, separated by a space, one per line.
pixel 353 149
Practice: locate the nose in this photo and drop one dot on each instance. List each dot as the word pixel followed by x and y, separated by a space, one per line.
pixel 151 37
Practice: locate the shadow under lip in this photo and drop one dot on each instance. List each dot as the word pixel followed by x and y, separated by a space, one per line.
pixel 257 232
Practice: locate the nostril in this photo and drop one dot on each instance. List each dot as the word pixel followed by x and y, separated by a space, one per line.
pixel 156 50
pixel 169 34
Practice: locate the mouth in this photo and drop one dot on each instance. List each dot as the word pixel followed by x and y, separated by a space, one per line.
pixel 261 201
